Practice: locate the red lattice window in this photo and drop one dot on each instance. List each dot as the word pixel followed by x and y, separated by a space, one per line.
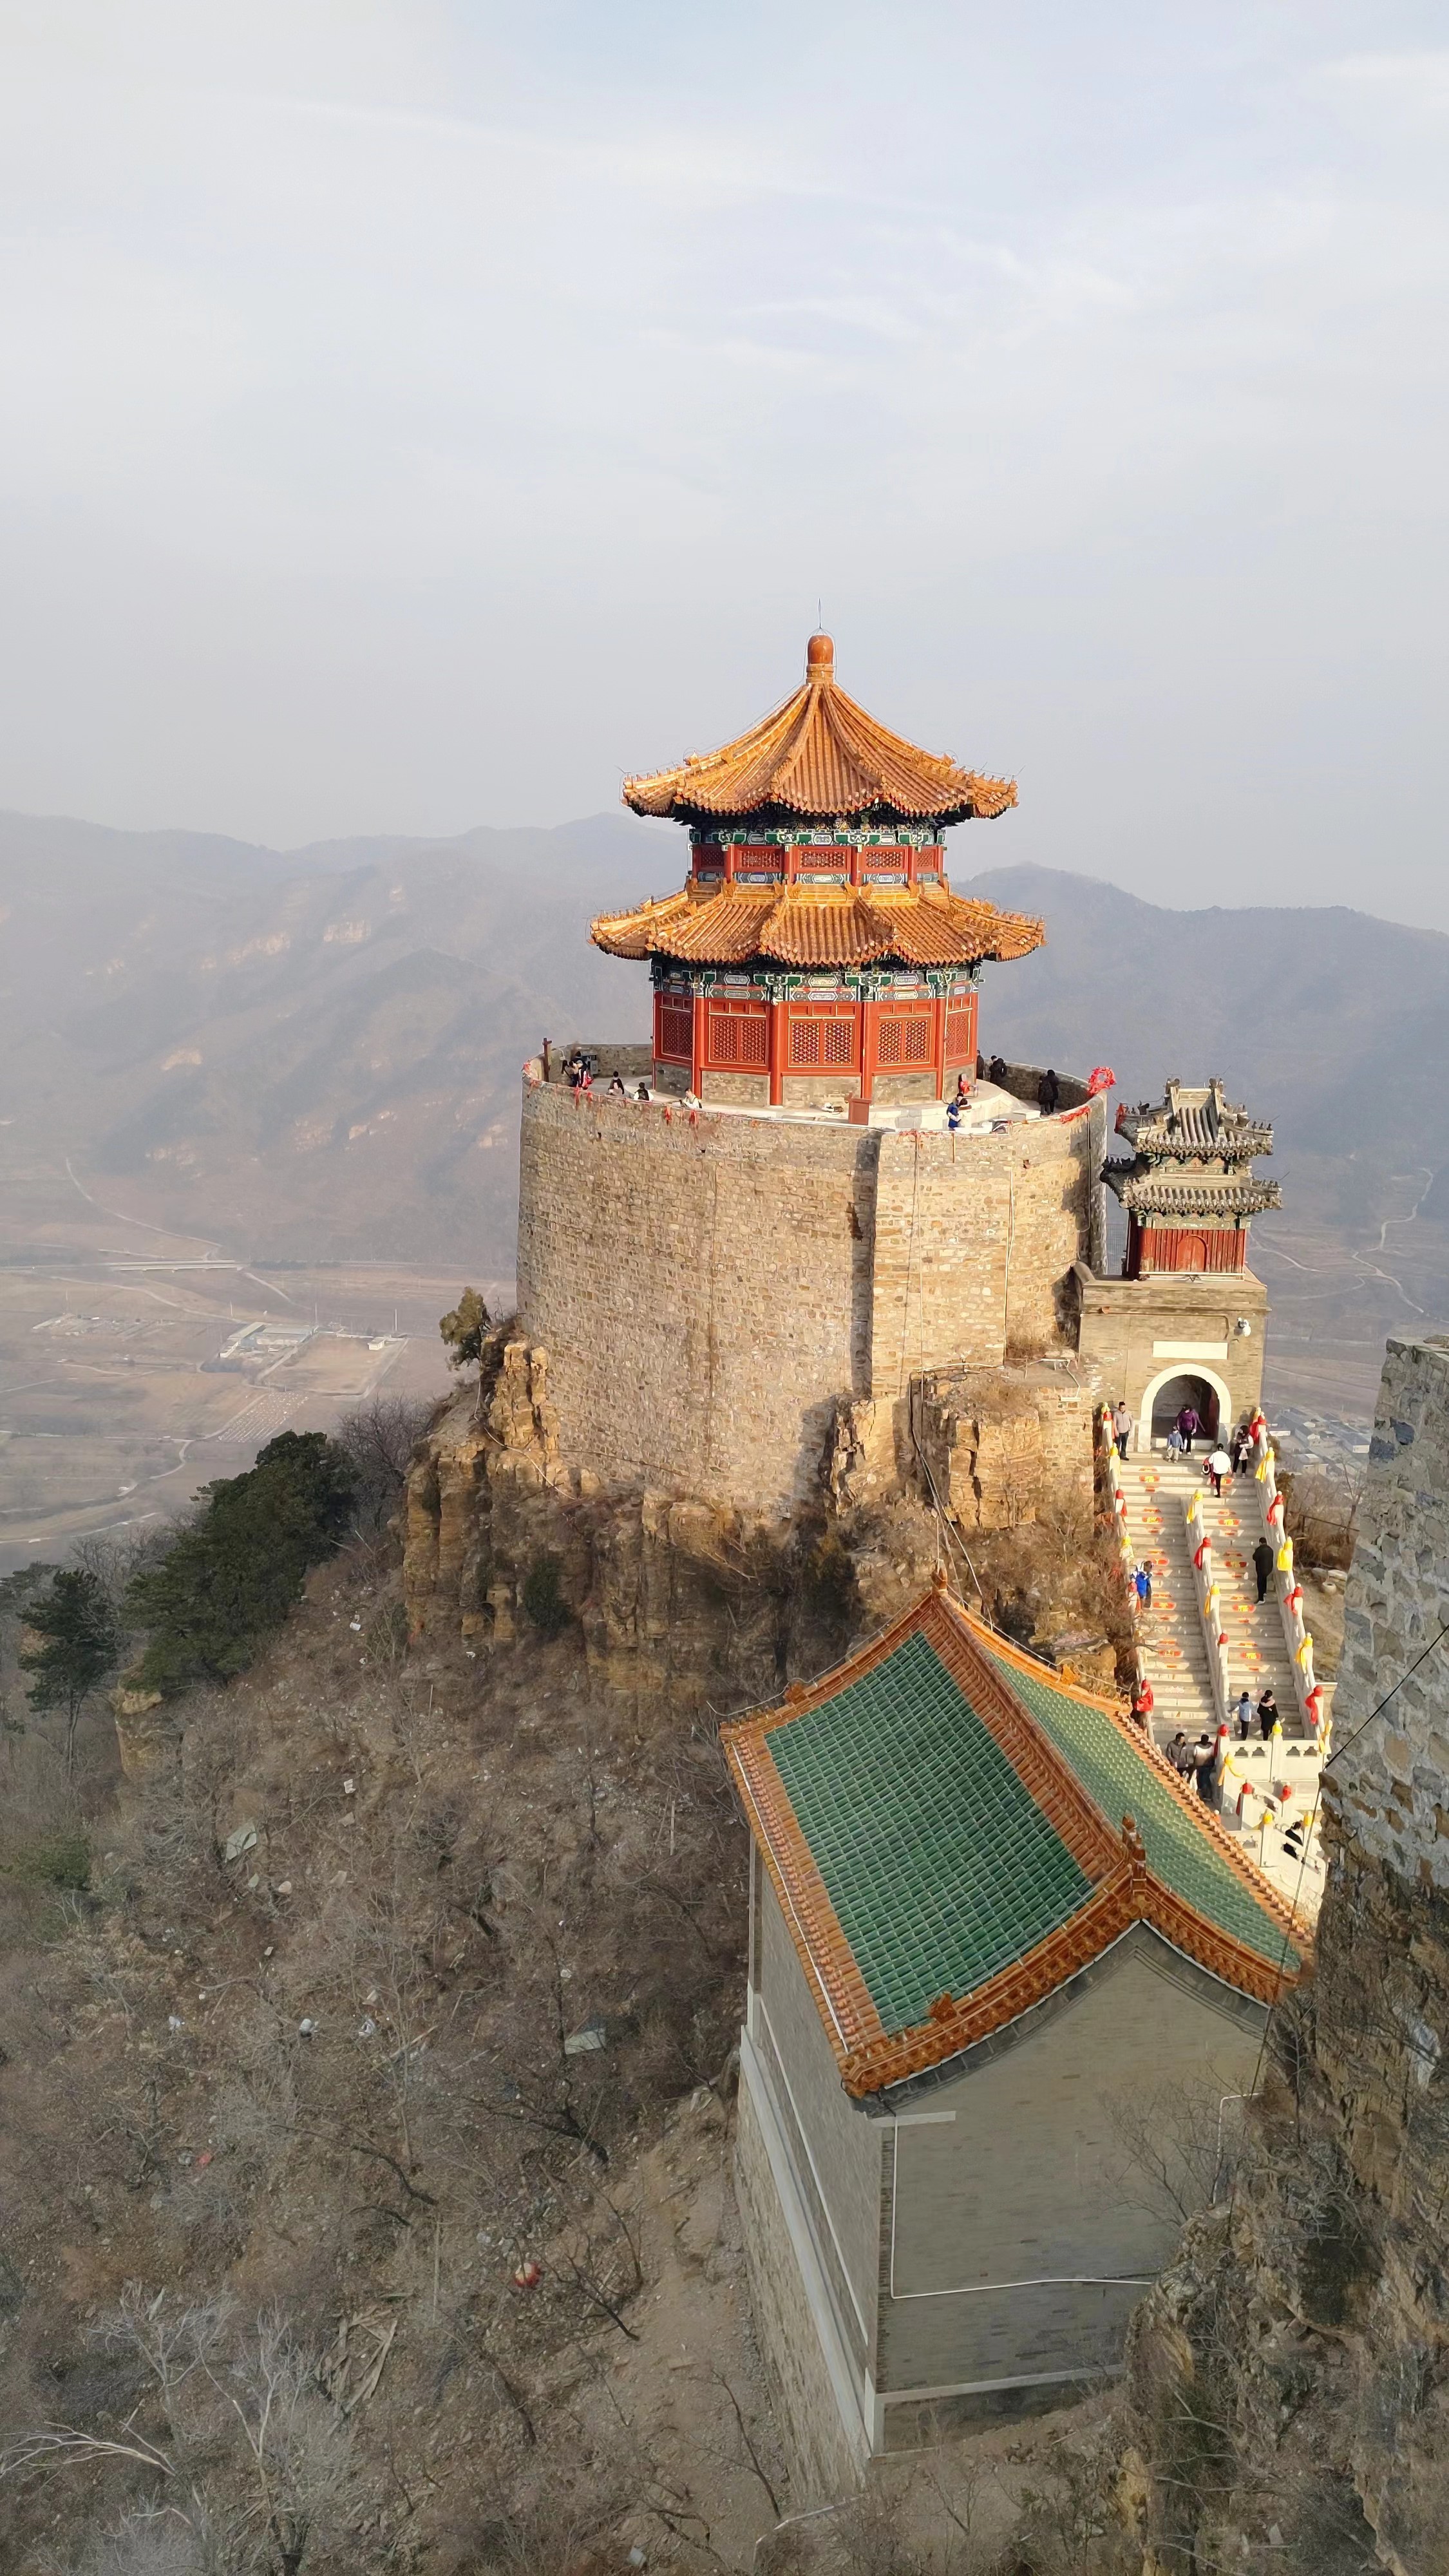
pixel 676 1031
pixel 824 1042
pixel 739 1034
pixel 904 1040
pixel 960 1035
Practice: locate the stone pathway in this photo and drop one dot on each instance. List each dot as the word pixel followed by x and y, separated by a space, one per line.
pixel 1174 1654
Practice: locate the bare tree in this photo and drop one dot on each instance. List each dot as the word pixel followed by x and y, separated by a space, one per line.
pixel 379 1436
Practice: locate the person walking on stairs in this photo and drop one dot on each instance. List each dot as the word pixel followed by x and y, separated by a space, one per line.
pixel 1263 1567
pixel 1187 1423
pixel 1175 1442
pixel 1267 1713
pixel 1142 1585
pixel 1244 1715
pixel 1219 1467
pixel 1143 1703
pixel 1204 1764
pixel 1121 1426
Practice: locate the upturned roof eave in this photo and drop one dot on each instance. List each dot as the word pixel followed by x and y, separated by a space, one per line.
pixel 1124 1890
pixel 777 809
pixel 820 757
pixel 923 928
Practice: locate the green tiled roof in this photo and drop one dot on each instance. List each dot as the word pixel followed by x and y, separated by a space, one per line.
pixel 939 1863
pixel 1178 1852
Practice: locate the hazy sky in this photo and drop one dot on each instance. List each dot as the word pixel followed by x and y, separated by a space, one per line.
pixel 417 415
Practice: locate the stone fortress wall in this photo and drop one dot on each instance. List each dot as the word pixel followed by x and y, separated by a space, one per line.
pixel 1388 1792
pixel 714 1290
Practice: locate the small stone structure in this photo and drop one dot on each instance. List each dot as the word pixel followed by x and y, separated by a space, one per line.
pixel 1184 1324
pixel 1168 1338
pixel 987 1920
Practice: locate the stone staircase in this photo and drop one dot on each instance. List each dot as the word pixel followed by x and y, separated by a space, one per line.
pixel 1169 1635
pixel 1174 1654
pixel 1157 1489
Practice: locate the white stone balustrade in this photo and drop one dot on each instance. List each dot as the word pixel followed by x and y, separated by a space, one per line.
pixel 1289 1592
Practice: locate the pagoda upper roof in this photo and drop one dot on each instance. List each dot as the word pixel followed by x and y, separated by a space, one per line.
pixel 820 756
pixel 807 925
pixel 1195 1123
pixel 954 1832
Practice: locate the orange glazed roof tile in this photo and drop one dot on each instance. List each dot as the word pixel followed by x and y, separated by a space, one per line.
pixel 822 756
pixel 802 925
pixel 945 1824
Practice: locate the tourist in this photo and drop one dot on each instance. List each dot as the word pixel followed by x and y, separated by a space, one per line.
pixel 1244 1715
pixel 1267 1713
pixel 1179 1754
pixel 1187 1423
pixel 1219 1468
pixel 953 1113
pixel 1143 1703
pixel 616 1087
pixel 1121 1426
pixel 586 1081
pixel 1049 1093
pixel 996 1072
pixel 1263 1567
pixel 692 1100
pixel 1175 1442
pixel 643 1091
pixel 1142 1585
pixel 963 1088
pixel 1204 1768
pixel 1242 1448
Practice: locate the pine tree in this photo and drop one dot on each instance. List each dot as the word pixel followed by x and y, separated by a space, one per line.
pixel 80 1636
pixel 464 1330
pixel 234 1575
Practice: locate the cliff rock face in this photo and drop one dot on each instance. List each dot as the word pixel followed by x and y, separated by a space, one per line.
pixel 1292 2375
pixel 504 1531
pixel 669 1594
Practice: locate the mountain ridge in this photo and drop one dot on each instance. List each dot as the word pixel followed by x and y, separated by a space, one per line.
pixel 301 1052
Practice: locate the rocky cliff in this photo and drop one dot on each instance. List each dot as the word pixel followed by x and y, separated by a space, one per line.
pixel 505 1534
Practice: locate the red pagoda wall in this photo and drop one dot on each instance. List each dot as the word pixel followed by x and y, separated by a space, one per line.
pixel 1185 1247
pixel 818 1036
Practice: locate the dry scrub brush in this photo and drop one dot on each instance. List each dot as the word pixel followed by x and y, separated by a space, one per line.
pixel 410 2043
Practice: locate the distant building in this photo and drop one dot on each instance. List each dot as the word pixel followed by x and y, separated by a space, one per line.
pixel 1190 1190
pixel 989 1930
pixel 1184 1325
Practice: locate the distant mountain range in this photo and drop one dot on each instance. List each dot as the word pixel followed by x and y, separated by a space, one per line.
pixel 315 1054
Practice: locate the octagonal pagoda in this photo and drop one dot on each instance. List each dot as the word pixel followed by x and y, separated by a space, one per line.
pixel 816 953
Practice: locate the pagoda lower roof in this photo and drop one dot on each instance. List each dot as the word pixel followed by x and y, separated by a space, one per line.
pixel 821 756
pixel 814 926
pixel 954 1832
pixel 1146 1189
